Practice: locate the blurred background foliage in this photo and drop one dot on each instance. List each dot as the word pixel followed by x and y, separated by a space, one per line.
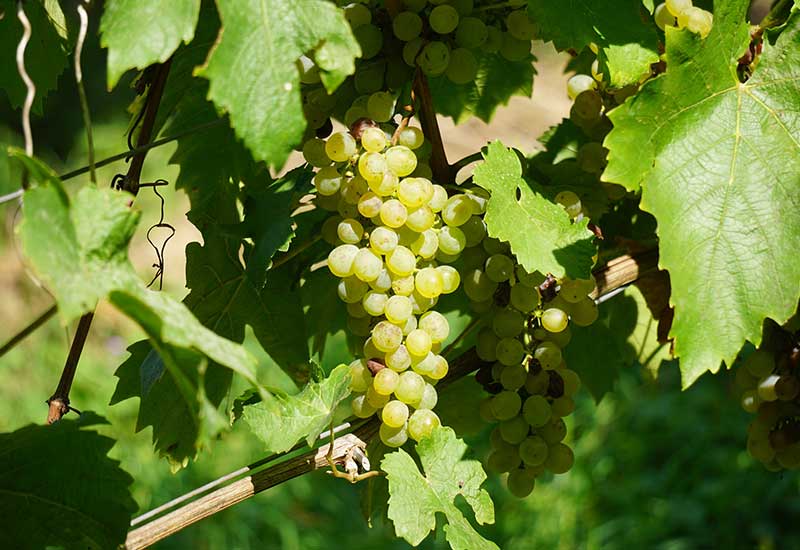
pixel 655 467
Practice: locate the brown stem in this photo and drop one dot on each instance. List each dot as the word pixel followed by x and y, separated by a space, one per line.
pixel 59 401
pixel 442 172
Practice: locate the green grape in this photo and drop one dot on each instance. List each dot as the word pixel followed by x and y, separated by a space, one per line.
pixel 398 309
pixel 572 291
pixel 494 39
pixel 424 364
pixel 426 244
pixel 471 32
pixel 374 303
pixel 438 199
pixel 474 230
pixel 493 246
pixel 429 398
pixel 592 158
pixel 373 140
pixel 663 17
pixel 393 437
pixel 314 153
pixel 473 258
pixel 386 186
pixel 411 137
pixel 441 367
pixel 463 67
pixel 584 313
pixel 411 51
pixel 499 268
pixel 367 265
pixel 478 199
pixel 514 430
pixel 422 423
pixel 508 323
pixel 420 219
pixel 530 280
pixel 554 320
pixel 387 337
pixel 477 286
pixel 350 231
pixel 578 84
pixel 330 230
pixel 443 258
pixel 533 451
pixel 327 181
pixel 570 201
pixel 520 26
pixel 744 380
pixel 485 410
pixel 353 189
pixel 341 146
pixel 360 376
pixel 450 278
pixel 428 282
pixel 436 325
pixel 537 411
pixel 383 240
pixel 328 202
pixel 766 388
pixel 414 192
pixel 372 166
pixel 395 413
pixel 434 58
pixel 367 80
pixel 537 384
pixel 524 298
pixel 521 482
pixel 346 210
pixel 506 405
pixel 358 326
pixel 370 351
pixel 357 15
pixel 410 387
pixel 513 377
pixel 370 38
pixel 503 460
pixel 354 113
pixel 376 399
pixel 385 381
pixel 402 285
pixel 407 25
pixel 415 5
pixel 401 261
pixel 380 106
pixel 451 240
pixel 399 359
pixel 559 459
pixel 355 309
pixel 750 401
pixel 760 363
pixel 572 382
pixel 486 344
pixel 509 351
pixel 383 282
pixel 407 236
pixel 563 406
pixel 677 7
pixel 369 205
pixel 554 431
pixel 789 457
pixel 361 408
pixel 787 387
pixel 393 213
pixel 457 210
pixel 514 49
pixel 340 260
pixel 548 355
pixel 463 7
pixel 419 343
pixel 443 19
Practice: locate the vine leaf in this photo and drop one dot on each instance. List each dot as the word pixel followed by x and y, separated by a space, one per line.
pixel 496 82
pixel 55 500
pixel 262 39
pixel 45 55
pixel 416 497
pixel 628 40
pixel 280 421
pixel 540 232
pixel 139 33
pixel 718 164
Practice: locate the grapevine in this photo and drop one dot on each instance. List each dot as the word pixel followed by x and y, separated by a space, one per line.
pixel 354 294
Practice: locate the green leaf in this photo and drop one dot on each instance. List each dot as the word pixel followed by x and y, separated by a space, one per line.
pixel 59 488
pixel 540 232
pixel 718 164
pixel 139 33
pixel 643 346
pixel 622 29
pixel 262 39
pixel 416 497
pixel 45 55
pixel 280 421
pixel 496 82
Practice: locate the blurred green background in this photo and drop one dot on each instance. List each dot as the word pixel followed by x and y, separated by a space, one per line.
pixel 655 467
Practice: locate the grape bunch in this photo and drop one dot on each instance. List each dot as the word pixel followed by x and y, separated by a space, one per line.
pixel 682 14
pixel 531 389
pixel 394 236
pixel 771 390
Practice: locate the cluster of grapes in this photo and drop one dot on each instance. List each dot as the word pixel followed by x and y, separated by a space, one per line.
pixel 771 391
pixel 530 385
pixel 394 236
pixel 682 14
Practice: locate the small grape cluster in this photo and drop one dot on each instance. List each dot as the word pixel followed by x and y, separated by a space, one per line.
pixel 682 14
pixel 530 385
pixel 394 235
pixel 771 391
